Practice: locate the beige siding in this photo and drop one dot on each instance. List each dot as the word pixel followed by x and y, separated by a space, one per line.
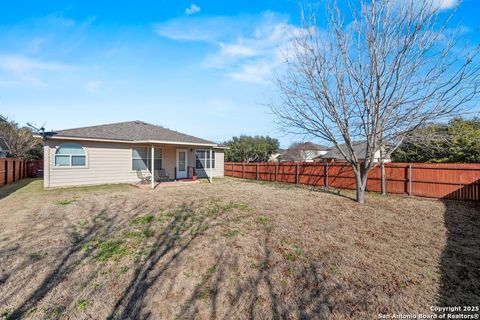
pixel 219 165
pixel 106 163
pixel 112 163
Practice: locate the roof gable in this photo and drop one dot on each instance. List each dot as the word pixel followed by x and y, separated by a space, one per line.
pixel 131 131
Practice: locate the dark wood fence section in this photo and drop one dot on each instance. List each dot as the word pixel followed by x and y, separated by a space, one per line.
pixel 12 170
pixel 442 181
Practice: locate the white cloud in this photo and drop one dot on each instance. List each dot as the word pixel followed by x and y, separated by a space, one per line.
pixel 256 72
pixel 435 4
pixel 237 49
pixel 444 4
pixel 192 9
pixel 20 64
pixel 21 69
pixel 248 48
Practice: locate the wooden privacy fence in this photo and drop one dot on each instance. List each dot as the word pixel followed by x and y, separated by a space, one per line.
pixel 442 181
pixel 12 170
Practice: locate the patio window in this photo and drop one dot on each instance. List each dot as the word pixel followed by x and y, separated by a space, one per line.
pixel 70 155
pixel 141 158
pixel 203 159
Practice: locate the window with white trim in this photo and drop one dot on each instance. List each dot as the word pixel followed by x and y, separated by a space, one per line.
pixel 70 155
pixel 203 159
pixel 141 158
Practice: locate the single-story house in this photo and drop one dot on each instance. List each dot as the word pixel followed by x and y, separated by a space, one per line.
pixel 303 152
pixel 334 155
pixel 123 153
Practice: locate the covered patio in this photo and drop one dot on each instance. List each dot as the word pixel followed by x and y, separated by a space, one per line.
pixel 164 164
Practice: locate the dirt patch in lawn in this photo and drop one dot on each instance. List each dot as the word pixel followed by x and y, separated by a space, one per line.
pixel 231 250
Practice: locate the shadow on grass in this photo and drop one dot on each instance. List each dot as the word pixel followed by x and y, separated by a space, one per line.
pixel 7 190
pixel 66 265
pixel 258 294
pixel 285 185
pixel 261 295
pixel 460 262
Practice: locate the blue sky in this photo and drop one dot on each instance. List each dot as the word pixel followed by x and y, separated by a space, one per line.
pixel 202 67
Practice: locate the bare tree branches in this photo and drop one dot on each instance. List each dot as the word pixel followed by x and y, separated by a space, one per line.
pixel 21 142
pixel 393 68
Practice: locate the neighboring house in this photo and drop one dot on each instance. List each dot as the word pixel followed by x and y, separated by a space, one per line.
pixel 334 155
pixel 123 153
pixel 4 148
pixel 304 152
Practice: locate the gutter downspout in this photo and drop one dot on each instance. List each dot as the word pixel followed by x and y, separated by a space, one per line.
pixel 211 169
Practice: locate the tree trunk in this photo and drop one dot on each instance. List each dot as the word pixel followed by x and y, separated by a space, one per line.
pixel 360 194
pixel 361 182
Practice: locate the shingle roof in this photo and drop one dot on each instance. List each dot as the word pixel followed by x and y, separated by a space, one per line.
pixel 131 131
pixel 359 149
pixel 311 146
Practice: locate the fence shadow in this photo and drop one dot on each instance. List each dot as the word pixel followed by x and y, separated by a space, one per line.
pixel 460 261
pixel 8 189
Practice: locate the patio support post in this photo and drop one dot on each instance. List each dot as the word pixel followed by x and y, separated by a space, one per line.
pixel 152 165
pixel 211 169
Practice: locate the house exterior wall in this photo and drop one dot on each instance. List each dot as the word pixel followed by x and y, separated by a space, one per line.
pixel 108 162
pixel 219 164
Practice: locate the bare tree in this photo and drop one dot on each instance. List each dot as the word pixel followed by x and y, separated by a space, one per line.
pixel 20 140
pixel 395 66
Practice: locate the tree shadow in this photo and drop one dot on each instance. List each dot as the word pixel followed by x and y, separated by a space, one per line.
pixel 261 294
pixel 221 293
pixel 328 190
pixel 67 264
pixel 460 261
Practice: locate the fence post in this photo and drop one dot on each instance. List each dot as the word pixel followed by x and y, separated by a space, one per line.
pixel 256 171
pixel 296 174
pixel 276 172
pixel 233 172
pixel 326 175
pixel 243 170
pixel 14 169
pixel 384 179
pixel 6 172
pixel 409 179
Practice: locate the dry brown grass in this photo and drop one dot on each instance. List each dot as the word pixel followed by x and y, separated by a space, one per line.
pixel 231 250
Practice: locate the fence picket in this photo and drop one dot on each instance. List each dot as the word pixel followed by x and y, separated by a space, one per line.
pixel 452 181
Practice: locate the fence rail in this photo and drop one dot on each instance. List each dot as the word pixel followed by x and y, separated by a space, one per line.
pixel 12 169
pixel 442 181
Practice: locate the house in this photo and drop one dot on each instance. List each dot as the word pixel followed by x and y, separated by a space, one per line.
pixel 303 152
pixel 123 153
pixel 4 148
pixel 334 155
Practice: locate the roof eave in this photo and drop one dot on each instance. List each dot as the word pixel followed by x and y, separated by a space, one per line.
pixel 61 137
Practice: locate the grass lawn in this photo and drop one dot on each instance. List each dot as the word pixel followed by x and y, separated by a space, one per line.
pixel 231 250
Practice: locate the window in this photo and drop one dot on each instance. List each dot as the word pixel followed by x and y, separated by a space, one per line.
pixel 203 159
pixel 70 155
pixel 141 158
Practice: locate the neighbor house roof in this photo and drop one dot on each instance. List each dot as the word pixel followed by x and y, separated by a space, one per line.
pixel 310 146
pixel 359 149
pixel 132 131
pixel 294 153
